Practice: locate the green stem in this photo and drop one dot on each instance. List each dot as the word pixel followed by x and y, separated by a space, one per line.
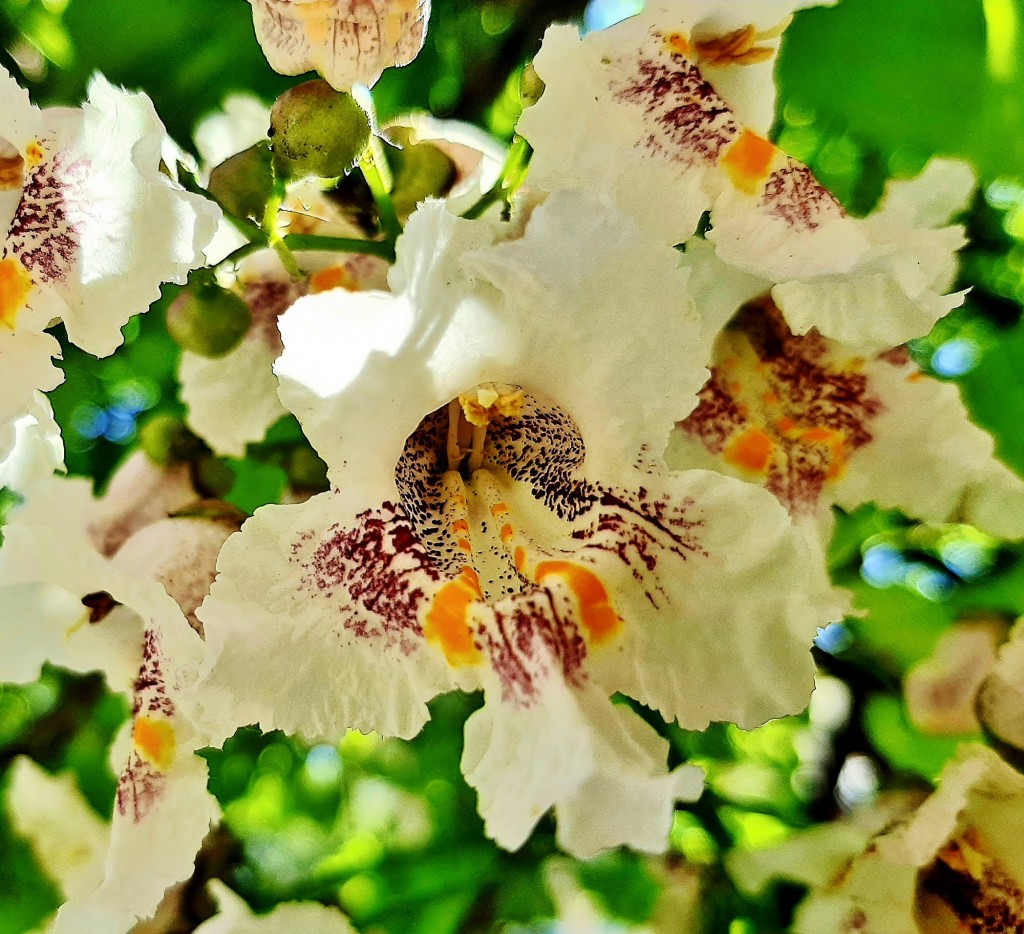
pixel 513 174
pixel 305 242
pixel 273 235
pixel 374 168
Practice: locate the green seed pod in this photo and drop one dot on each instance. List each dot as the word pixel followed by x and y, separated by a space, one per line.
pixel 208 320
pixel 315 130
pixel 420 170
pixel 168 442
pixel 242 183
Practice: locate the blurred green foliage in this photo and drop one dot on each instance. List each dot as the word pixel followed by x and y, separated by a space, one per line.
pixel 388 830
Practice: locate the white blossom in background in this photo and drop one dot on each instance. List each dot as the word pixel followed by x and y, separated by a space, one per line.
pixel 347 41
pixel 1001 699
pixel 83 586
pixel 955 864
pixel 665 113
pixel 68 838
pixel 234 916
pixel 563 567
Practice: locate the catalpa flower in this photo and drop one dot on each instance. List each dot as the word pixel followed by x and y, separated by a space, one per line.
pixel 234 916
pixel 67 604
pixel 665 114
pixel 348 41
pixel 498 522
pixel 91 226
pixel 954 865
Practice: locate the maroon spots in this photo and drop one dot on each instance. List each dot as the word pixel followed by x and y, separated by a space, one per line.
pixel 976 897
pixel 41 234
pixel 268 299
pixel 793 194
pixel 530 638
pixel 639 529
pixel 689 122
pixel 376 568
pixel 790 399
pixel 141 784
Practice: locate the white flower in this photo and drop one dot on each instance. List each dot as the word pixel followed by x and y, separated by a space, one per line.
pixel 98 224
pixel 348 41
pixel 1001 699
pixel 665 115
pixel 30 447
pixel 66 603
pixel 563 567
pixel 235 917
pixel 954 865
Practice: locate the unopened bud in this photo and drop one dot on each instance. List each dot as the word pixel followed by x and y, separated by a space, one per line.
pixel 208 320
pixel 242 184
pixel 316 130
pixel 420 170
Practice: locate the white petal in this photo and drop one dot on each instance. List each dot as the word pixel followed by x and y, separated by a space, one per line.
pixel 1001 701
pixel 235 917
pixel 68 838
pixel 313 625
pixel 36 449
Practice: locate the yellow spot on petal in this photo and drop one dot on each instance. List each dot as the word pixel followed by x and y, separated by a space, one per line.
pixel 677 44
pixel 596 613
pixel 460 526
pixel 35 154
pixel 155 742
pixel 464 545
pixel 519 556
pixel 448 620
pixel 12 168
pixel 748 161
pixel 335 277
pixel 751 450
pixel 498 509
pixel 15 284
pixel 507 532
pixel 785 425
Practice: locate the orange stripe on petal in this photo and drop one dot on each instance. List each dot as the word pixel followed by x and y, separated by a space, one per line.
pixel 748 161
pixel 751 450
pixel 155 741
pixel 596 613
pixel 15 284
pixel 447 623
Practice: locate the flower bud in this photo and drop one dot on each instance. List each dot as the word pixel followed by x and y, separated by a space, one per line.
pixel 208 320
pixel 531 87
pixel 317 131
pixel 420 170
pixel 242 183
pixel 167 442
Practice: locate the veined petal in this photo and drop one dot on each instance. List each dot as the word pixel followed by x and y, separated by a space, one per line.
pixel 629 111
pixel 927 458
pixel 100 226
pixel 348 41
pixel 600 767
pixel 339 589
